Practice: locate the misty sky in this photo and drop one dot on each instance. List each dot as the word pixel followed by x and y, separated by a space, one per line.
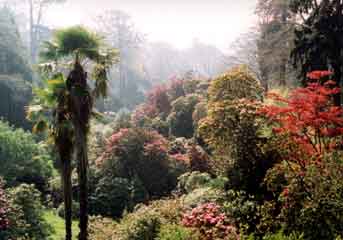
pixel 178 22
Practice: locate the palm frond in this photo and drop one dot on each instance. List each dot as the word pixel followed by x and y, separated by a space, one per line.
pixel 77 40
pixel 49 52
pixel 105 61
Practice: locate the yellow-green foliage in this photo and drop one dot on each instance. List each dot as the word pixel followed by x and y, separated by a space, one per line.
pixel 101 228
pixel 230 128
pixel 231 109
pixel 236 84
pixel 142 224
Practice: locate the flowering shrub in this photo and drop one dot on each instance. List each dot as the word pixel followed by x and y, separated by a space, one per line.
pixel 143 113
pixel 210 222
pixel 139 155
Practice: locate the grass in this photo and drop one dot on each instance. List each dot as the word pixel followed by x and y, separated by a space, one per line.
pixel 57 225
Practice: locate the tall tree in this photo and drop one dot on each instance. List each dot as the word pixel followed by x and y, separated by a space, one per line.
pixel 12 53
pixel 53 101
pixel 120 33
pixel 36 10
pixel 74 104
pixel 245 51
pixel 15 73
pixel 319 42
pixel 276 24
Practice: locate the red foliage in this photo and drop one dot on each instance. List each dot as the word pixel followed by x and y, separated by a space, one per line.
pixel 4 209
pixel 309 120
pixel 316 75
pixel 120 142
pixel 158 98
pixel 180 157
pixel 211 222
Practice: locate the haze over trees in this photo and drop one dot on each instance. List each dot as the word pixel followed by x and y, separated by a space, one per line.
pixel 108 134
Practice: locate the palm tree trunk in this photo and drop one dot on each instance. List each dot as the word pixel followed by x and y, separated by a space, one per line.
pixel 67 194
pixel 82 157
pixel 81 107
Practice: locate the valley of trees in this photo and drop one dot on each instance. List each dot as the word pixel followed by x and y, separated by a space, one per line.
pixel 105 134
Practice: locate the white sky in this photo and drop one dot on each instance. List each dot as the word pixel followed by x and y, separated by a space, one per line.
pixel 178 22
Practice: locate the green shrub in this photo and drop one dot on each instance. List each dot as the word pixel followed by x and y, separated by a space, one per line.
pixel 55 192
pixel 193 180
pixel 111 197
pixel 27 214
pixel 75 210
pixel 180 119
pixel 277 236
pixel 22 160
pixel 143 224
pixel 176 232
pixel 160 126
pixel 237 83
pixel 202 196
pixel 310 202
pixel 243 209
pixel 231 129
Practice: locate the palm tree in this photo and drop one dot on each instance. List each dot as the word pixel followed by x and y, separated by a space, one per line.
pixel 50 110
pixel 74 104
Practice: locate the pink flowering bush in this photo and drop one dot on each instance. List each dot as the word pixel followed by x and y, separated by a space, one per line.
pixel 211 222
pixel 143 114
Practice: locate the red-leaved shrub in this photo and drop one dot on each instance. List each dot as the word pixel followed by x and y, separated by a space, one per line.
pixel 309 121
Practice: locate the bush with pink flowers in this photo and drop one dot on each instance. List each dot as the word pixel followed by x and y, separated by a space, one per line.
pixel 211 222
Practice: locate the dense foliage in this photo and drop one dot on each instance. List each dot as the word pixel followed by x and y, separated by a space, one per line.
pixel 4 209
pixel 231 128
pixel 135 167
pixel 26 215
pixel 167 153
pixel 15 73
pixel 23 159
pixel 308 127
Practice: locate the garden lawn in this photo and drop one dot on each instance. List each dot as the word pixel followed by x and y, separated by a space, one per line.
pixel 57 224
